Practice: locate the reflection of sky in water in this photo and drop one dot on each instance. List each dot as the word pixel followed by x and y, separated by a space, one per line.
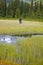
pixel 9 39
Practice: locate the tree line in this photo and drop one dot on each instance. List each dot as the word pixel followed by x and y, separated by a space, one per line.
pixel 19 8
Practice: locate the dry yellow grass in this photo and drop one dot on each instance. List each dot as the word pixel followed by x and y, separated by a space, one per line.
pixel 13 27
pixel 5 62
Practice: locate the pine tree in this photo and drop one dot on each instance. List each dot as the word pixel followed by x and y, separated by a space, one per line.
pixel 35 7
pixel 32 5
pixel 21 8
pixel 16 6
pixel 17 14
pixel 3 7
pixel 0 8
pixel 41 6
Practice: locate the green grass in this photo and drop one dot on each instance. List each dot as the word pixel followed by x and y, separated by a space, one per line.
pixel 13 27
pixel 28 51
pixel 26 19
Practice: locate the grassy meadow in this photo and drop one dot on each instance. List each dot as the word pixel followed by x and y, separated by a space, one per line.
pixel 28 51
pixel 13 27
pixel 21 44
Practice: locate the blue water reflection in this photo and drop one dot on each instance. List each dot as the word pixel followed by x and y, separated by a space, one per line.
pixel 10 39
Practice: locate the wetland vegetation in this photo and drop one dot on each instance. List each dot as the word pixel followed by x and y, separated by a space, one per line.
pixel 21 44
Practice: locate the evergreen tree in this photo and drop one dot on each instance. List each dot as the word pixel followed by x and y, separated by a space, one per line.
pixel 32 5
pixel 38 10
pixel 21 8
pixel 17 14
pixel 3 7
pixel 35 7
pixel 0 8
pixel 26 9
pixel 11 8
pixel 16 6
pixel 41 6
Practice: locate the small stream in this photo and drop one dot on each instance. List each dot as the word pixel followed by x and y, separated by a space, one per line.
pixel 10 39
pixel 13 39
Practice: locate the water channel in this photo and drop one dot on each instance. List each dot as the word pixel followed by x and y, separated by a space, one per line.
pixel 13 39
pixel 10 39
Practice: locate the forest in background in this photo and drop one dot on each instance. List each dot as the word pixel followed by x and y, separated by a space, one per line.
pixel 17 9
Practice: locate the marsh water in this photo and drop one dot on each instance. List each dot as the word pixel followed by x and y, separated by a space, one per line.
pixel 13 39
pixel 10 39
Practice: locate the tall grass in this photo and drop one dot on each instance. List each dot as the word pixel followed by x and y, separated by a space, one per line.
pixel 5 62
pixel 28 51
